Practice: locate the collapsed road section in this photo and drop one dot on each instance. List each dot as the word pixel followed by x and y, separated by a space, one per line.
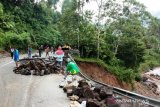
pixel 134 98
pixel 86 91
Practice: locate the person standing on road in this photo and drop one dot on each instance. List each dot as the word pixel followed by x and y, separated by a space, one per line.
pixel 16 56
pixel 40 50
pixel 11 50
pixel 29 52
pixel 59 56
pixel 47 51
pixel 52 50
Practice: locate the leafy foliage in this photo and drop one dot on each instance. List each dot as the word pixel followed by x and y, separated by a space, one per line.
pixel 125 36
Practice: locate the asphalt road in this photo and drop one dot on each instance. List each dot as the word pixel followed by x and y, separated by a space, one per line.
pixel 29 91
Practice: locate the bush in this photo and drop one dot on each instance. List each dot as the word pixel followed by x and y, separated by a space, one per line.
pixel 147 65
pixel 1 39
pixel 20 41
pixel 131 52
pixel 125 75
pixel 138 77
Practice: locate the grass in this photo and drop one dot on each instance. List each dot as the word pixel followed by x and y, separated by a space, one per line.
pixel 124 75
pixel 91 60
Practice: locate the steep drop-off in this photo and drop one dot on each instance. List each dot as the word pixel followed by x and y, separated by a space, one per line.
pixel 97 72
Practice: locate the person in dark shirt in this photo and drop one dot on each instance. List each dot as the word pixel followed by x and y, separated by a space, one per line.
pixel 40 50
pixel 29 52
pixel 11 51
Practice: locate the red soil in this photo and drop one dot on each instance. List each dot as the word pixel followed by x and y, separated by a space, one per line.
pixel 96 72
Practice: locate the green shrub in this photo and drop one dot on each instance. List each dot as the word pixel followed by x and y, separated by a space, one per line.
pixel 20 41
pixel 138 77
pixel 147 65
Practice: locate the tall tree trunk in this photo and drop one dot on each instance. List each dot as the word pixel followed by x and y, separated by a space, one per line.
pixel 98 34
pixel 98 44
pixel 116 47
pixel 80 11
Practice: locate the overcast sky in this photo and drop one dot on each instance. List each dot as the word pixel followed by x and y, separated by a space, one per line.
pixel 153 6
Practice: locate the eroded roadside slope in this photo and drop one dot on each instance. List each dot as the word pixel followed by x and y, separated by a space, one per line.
pixel 95 71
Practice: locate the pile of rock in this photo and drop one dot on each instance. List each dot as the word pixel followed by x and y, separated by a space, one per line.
pixel 85 94
pixel 149 81
pixel 36 66
pixel 155 76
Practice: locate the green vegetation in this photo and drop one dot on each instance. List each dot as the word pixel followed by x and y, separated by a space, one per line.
pixel 26 23
pixel 124 36
pixel 125 75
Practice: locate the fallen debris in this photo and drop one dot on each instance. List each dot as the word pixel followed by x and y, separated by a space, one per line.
pixel 36 66
pixel 155 76
pixel 150 80
pixel 93 95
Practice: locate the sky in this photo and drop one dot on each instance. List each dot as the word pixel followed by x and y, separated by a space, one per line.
pixel 153 6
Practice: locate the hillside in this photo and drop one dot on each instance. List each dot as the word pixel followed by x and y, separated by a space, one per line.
pixel 93 70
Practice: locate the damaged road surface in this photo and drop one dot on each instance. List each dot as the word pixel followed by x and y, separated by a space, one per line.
pixel 30 91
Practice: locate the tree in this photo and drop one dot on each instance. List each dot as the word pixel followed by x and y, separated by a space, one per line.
pixel 52 3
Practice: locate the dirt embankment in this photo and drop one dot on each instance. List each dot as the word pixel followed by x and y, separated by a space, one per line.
pixel 95 71
pixel 4 54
